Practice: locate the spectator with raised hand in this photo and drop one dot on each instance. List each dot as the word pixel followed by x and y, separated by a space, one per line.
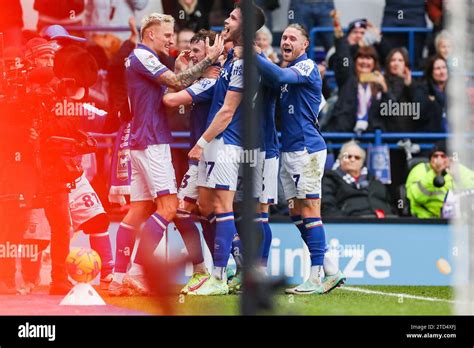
pixel 401 88
pixel 362 88
pixel 431 95
pixel 313 13
pixel 350 191
pixel 360 32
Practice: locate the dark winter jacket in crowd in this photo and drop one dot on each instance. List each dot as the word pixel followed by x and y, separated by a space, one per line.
pixel 344 114
pixel 343 196
pixel 198 19
pixel 404 13
pixel 398 92
pixel 432 108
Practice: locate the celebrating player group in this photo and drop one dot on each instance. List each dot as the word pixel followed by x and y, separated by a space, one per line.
pixel 209 78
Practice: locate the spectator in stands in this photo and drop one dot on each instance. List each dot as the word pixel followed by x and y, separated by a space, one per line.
pixel 428 183
pixel 313 13
pixel 184 39
pixel 431 96
pixel 401 89
pixel 444 47
pixel 117 87
pixel 108 13
pixel 362 88
pixel 355 34
pixel 350 190
pixel 11 22
pixel 405 13
pixel 59 12
pixel 360 32
pixel 434 8
pixel 60 35
pixel 264 39
pixel 268 6
pixel 191 14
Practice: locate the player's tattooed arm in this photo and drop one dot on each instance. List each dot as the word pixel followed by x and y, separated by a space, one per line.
pixel 187 77
pixel 182 80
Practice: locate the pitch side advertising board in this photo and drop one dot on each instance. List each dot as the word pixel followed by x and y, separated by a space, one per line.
pixel 368 254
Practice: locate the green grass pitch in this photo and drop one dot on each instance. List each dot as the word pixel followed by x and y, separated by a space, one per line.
pixel 339 302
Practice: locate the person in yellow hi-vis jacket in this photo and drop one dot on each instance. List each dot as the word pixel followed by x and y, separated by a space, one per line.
pixel 428 183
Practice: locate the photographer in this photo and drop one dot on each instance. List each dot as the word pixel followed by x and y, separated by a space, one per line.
pixel 31 175
pixel 428 183
pixel 76 66
pixel 30 116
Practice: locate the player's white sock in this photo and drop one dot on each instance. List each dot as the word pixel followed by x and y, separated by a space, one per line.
pixel 118 277
pixel 200 268
pixel 135 270
pixel 330 267
pixel 219 273
pixel 315 275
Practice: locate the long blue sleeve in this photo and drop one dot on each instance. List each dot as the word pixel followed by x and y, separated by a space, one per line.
pixel 273 72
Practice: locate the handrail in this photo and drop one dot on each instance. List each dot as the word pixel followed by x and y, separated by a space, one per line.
pixel 376 138
pixel 408 30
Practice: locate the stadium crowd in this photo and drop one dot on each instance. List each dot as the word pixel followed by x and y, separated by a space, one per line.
pixel 370 69
pixel 372 77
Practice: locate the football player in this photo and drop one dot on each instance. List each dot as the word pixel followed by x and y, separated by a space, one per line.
pixel 199 94
pixel 153 182
pixel 220 150
pixel 303 152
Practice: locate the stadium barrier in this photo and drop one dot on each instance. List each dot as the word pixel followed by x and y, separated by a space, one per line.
pixel 376 138
pixel 369 251
pixel 410 31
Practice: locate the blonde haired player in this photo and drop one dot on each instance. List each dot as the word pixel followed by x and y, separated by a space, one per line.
pixel 153 182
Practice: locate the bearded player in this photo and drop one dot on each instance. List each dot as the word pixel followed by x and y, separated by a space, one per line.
pixel 219 150
pixel 303 152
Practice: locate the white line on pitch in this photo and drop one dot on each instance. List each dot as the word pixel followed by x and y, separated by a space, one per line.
pixel 393 294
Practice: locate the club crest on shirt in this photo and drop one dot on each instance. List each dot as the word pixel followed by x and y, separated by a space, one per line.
pixel 284 89
pixel 224 74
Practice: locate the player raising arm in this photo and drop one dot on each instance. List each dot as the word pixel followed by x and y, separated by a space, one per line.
pixel 303 151
pixel 220 150
pixel 153 181
pixel 199 94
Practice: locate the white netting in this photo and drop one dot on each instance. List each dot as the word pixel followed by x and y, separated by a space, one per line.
pixel 460 23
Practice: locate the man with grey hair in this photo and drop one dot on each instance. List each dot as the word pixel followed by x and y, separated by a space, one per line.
pixel 153 182
pixel 350 190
